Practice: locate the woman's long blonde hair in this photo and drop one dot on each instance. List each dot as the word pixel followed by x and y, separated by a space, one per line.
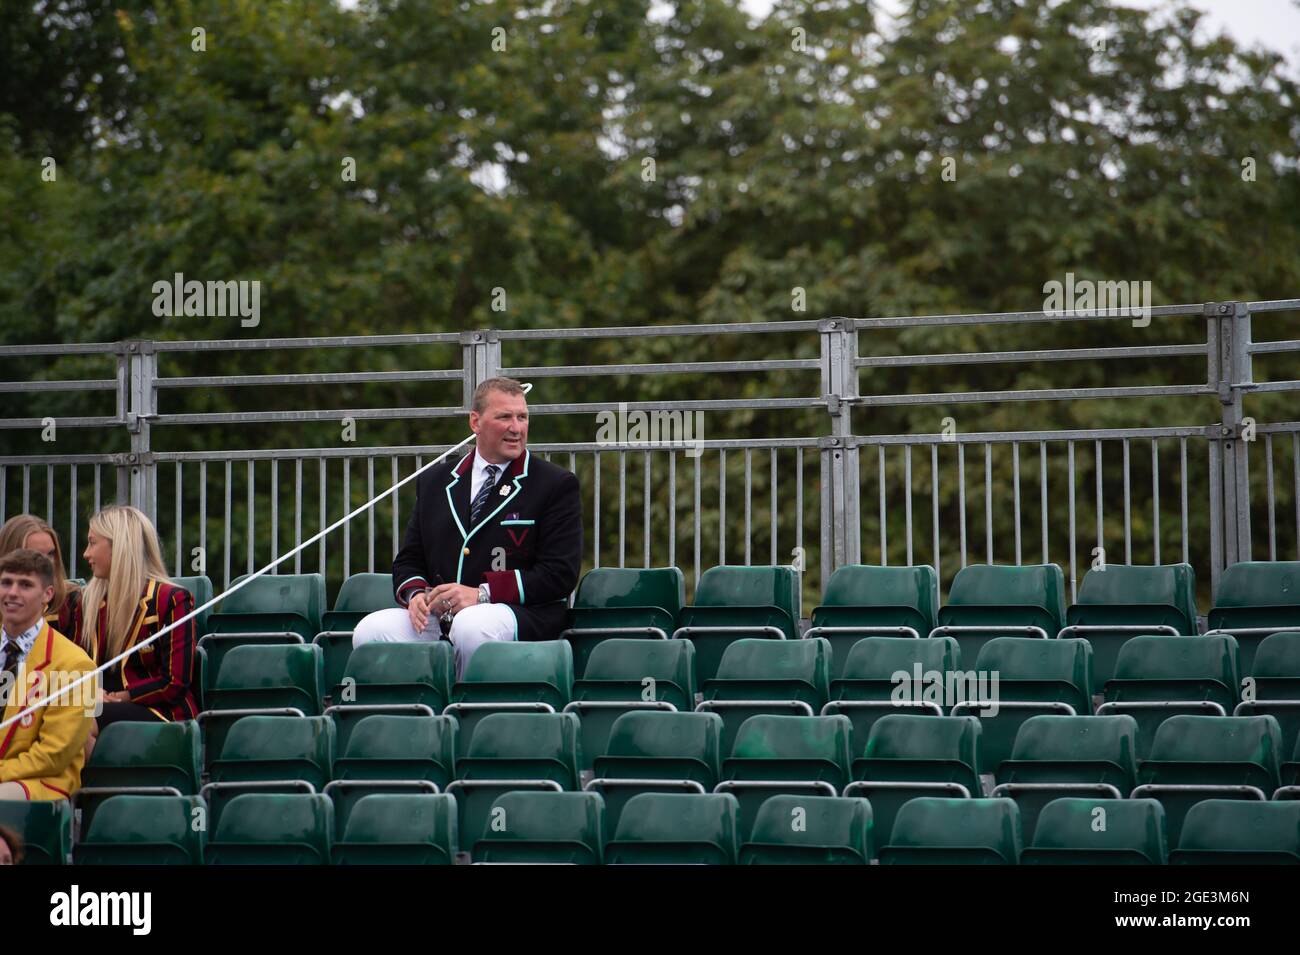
pixel 137 558
pixel 15 534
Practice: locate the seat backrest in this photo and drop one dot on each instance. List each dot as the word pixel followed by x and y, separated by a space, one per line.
pixel 128 820
pixel 1219 739
pixel 807 661
pixel 1278 656
pixel 927 822
pixel 1207 658
pixel 45 827
pixel 646 734
pixel 544 822
pixel 390 736
pixel 820 738
pixel 535 736
pixel 280 666
pixel 501 662
pixel 403 819
pixel 678 820
pixel 1127 585
pixel 823 822
pixel 365 593
pixel 619 659
pixel 1259 583
pixel 737 586
pixel 860 585
pixel 302 594
pixel 1134 825
pixel 200 589
pixel 1034 660
pixel 131 745
pixel 1047 738
pixel 278 820
pixel 997 585
pixel 912 737
pixel 402 663
pixel 1233 825
pixel 270 738
pixel 879 658
pixel 663 587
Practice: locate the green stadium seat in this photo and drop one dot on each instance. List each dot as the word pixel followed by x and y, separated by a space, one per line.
pixel 137 758
pixel 1068 756
pixel 200 589
pixel 1034 677
pixel 273 608
pixel 623 602
pixel 1209 757
pixel 284 680
pixel 45 827
pixel 397 678
pixel 544 827
pixel 935 831
pixel 1080 831
pixel 867 690
pixel 675 829
pixel 810 830
pixel 733 602
pixel 656 752
pixel 1122 601
pixel 1289 771
pixel 273 829
pixel 513 751
pixel 1159 677
pixel 991 600
pixel 392 754
pixel 361 594
pixel 270 754
pixel 399 829
pixel 866 601
pixel 794 755
pixel 625 675
pixel 907 756
pixel 790 677
pixel 144 830
pixel 1256 599
pixel 1276 685
pixel 1229 832
pixel 511 676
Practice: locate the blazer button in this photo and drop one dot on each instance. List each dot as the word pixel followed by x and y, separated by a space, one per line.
pixel 466 551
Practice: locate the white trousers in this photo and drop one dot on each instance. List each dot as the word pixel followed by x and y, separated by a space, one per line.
pixel 470 629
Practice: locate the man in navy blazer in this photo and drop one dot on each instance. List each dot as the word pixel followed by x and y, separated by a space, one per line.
pixel 493 548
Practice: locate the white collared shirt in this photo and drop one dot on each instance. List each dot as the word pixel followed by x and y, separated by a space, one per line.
pixel 480 474
pixel 25 640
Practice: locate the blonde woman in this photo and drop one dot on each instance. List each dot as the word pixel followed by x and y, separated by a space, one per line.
pixel 128 600
pixel 28 532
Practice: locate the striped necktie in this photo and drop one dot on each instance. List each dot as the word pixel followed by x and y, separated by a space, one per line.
pixel 480 499
pixel 13 657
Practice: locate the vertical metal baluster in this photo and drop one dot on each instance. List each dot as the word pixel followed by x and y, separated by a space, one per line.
pixel 884 533
pixel 672 508
pixel 646 506
pixel 275 509
pixel 595 537
pixel 27 488
pixel 961 498
pixel 72 546
pixel 1182 484
pixel 226 522
pixel 1015 493
pixel 798 506
pixel 772 512
pixel 1042 493
pixel 699 461
pixel 749 493
pixel 1128 523
pixel 1272 513
pixel 907 499
pixel 1155 499
pixel 251 567
pixel 4 493
pixel 622 507
pixel 1100 541
pixel 49 494
pixel 722 506
pixel 180 566
pixel 1074 544
pixel 370 513
pixel 988 503
pixel 396 501
pixel 347 528
pixel 97 485
pixel 323 512
pixel 934 503
pixel 1295 487
pixel 297 513
pixel 203 511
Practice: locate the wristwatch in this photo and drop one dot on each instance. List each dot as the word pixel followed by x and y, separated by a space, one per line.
pixel 484 596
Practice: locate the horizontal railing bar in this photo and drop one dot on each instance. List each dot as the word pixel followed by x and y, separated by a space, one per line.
pixel 719 404
pixel 658 331
pixel 1279 426
pixel 333 414
pixel 1003 437
pixel 1265 348
pixel 997 318
pixel 1064 354
pixel 18 424
pixel 60 459
pixel 1275 305
pixel 89 348
pixel 1032 394
pixel 339 378
pixel 665 368
pixel 334 341
pixel 1257 386
pixel 94 384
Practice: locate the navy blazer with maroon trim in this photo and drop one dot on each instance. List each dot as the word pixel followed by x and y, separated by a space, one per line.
pixel 161 675
pixel 527 546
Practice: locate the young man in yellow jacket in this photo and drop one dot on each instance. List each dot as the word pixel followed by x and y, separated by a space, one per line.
pixel 41 755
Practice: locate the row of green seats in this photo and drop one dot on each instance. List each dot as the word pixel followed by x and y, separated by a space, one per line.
pixel 674 828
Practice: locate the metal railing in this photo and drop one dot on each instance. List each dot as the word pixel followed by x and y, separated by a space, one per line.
pixel 778 499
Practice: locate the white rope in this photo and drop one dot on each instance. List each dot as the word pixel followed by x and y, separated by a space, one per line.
pixel 238 585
